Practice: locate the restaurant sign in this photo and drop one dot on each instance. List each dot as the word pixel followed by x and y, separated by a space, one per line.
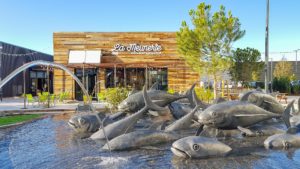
pixel 134 48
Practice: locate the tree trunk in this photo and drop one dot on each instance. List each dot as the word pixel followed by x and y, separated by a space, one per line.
pixel 215 87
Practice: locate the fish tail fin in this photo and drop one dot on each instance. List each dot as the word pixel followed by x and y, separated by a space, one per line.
pixel 298 104
pixel 154 86
pixel 197 102
pixel 286 114
pixel 189 94
pixel 148 102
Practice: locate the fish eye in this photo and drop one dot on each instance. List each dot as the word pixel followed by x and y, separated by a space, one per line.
pixel 259 133
pixel 214 114
pixel 81 121
pixel 286 144
pixel 196 147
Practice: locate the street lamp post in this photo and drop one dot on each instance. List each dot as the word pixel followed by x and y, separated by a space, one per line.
pixel 267 49
pixel 24 88
pixel 0 71
pixel 296 60
pixel 271 74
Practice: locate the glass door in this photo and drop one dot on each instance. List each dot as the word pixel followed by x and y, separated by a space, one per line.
pixel 88 80
pixel 159 75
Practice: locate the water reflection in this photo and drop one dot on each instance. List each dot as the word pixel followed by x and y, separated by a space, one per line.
pixel 50 143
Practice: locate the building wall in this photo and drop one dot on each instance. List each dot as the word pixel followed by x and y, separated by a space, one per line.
pixel 295 69
pixel 180 77
pixel 12 57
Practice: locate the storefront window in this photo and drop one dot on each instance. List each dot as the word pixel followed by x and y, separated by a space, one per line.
pixel 38 81
pixel 32 74
pixel 41 75
pixel 136 77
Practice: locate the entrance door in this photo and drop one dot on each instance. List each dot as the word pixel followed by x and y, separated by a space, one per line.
pixel 159 75
pixel 89 80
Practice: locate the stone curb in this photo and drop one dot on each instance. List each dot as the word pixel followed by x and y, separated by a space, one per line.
pixel 24 111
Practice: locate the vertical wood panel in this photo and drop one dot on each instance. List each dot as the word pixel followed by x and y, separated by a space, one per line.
pixel 179 75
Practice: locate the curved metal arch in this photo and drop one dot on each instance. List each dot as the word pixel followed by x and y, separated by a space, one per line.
pixel 60 66
pixel 44 63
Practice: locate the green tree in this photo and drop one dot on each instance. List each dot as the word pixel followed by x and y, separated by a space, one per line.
pixel 283 69
pixel 246 65
pixel 206 46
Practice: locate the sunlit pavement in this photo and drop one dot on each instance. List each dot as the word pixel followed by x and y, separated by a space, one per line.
pixel 17 104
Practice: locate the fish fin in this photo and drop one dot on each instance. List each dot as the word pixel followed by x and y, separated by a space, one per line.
pixel 154 86
pixel 292 130
pixel 265 101
pixel 153 148
pixel 246 131
pixel 245 96
pixel 219 100
pixel 286 114
pixel 199 130
pixel 293 109
pixel 148 102
pixel 249 115
pixel 269 103
pixel 299 105
pixel 197 101
pixel 164 125
pixel 133 91
pixel 189 94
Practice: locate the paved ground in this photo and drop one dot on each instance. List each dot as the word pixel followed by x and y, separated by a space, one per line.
pixel 291 98
pixel 17 104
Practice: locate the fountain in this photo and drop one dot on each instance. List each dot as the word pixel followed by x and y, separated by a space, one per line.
pixel 51 144
pixel 54 65
pixel 44 63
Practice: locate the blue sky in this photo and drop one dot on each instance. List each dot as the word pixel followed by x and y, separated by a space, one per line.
pixel 31 23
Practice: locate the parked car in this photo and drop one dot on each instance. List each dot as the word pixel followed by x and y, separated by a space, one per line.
pixel 295 82
pixel 257 84
pixel 295 86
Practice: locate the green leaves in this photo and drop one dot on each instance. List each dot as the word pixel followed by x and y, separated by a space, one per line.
pixel 209 41
pixel 283 69
pixel 114 96
pixel 207 45
pixel 246 64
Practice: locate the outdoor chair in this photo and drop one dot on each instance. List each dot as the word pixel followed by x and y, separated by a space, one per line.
pixel 282 96
pixel 100 97
pixel 42 98
pixel 30 99
pixel 62 96
pixel 45 93
pixel 85 99
pixel 53 99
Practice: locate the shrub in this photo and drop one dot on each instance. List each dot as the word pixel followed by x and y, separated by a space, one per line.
pixel 204 94
pixel 171 91
pixel 114 96
pixel 282 84
pixel 296 89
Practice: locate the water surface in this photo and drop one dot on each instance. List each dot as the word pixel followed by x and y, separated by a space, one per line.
pixel 50 143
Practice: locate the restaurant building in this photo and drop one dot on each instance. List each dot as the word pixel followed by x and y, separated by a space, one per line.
pixel 109 59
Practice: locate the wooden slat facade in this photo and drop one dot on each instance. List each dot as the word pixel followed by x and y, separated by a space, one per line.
pixel 180 77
